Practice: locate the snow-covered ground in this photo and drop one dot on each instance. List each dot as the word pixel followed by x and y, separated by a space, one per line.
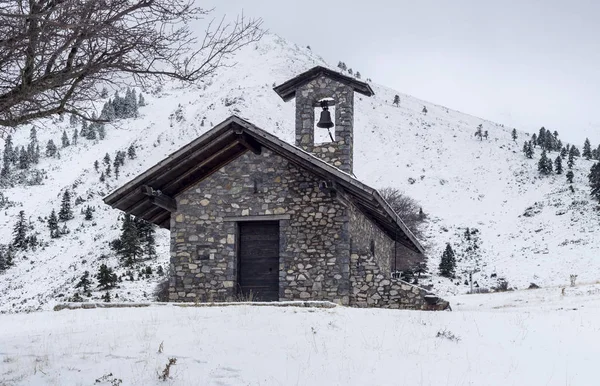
pixel 529 228
pixel 528 337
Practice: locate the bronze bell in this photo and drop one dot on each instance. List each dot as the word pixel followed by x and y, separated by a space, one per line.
pixel 325 120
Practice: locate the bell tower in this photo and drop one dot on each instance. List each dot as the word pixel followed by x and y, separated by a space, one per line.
pixel 331 95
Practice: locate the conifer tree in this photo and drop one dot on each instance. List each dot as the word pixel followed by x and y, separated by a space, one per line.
pixel 23 159
pixel 65 213
pixel 73 120
pixel 479 132
pixel 541 138
pixel 101 131
pixel 131 151
pixel 529 150
pixel 106 277
pixel 53 225
pixel 571 160
pixel 357 75
pixel 448 263
pixel 20 232
pixel 129 248
pixel 543 164
pixel 594 179
pixel 424 111
pixel 107 171
pixel 88 213
pixel 558 165
pixel 75 137
pixel 587 149
pixel 102 177
pixel 141 100
pixel 65 139
pixel 84 283
pixel 50 149
pixel 576 151
pixel 146 235
pixel 96 165
pixel 84 129
pixel 534 139
pixel 570 176
pixel 396 100
pixel 514 135
pixel 3 264
pixel 106 297
pixel 106 159
pixel 563 152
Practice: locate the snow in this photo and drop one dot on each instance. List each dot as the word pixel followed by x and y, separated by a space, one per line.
pixel 460 182
pixel 528 337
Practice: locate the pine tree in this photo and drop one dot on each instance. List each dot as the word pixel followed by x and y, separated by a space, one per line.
pixel 146 233
pixel 96 165
pixel 130 248
pixel 558 165
pixel 514 135
pixel 594 178
pixel 350 71
pixel 107 171
pixel 102 177
pixel 106 159
pixel 23 159
pixel 106 277
pixel 529 152
pixel 396 100
pixel 84 283
pixel 541 139
pixel 534 139
pixel 571 160
pixel 141 100
pixel 563 153
pixel 424 111
pixel 570 176
pixel 73 120
pixel 84 129
pixel 65 213
pixel 448 263
pixel 101 131
pixel 131 151
pixel 20 232
pixel 53 225
pixel 88 213
pixel 3 264
pixel 587 149
pixel 479 132
pixel 50 149
pixel 106 297
pixel 576 151
pixel 65 139
pixel 357 75
pixel 75 137
pixel 543 164
pixel 33 136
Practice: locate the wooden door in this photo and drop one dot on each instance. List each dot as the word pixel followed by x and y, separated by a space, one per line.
pixel 258 260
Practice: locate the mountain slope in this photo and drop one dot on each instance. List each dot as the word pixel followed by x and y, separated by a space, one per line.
pixel 433 157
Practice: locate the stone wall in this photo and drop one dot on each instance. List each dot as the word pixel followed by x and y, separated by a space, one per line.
pixel 314 241
pixel 371 254
pixel 338 153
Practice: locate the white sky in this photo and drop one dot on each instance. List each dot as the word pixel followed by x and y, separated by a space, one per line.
pixel 528 63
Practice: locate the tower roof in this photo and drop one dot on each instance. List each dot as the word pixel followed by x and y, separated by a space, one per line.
pixel 288 89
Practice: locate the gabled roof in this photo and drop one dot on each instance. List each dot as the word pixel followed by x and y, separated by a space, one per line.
pixel 288 89
pixel 224 143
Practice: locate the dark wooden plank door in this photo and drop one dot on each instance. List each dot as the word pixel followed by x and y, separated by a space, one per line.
pixel 259 260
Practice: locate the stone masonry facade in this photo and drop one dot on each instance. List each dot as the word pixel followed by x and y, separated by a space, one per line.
pixel 338 153
pixel 313 241
pixel 328 249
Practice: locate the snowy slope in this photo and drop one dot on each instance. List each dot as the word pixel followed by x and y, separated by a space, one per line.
pixel 460 182
pixel 528 337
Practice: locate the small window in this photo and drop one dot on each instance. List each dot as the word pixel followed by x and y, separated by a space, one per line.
pixel 372 247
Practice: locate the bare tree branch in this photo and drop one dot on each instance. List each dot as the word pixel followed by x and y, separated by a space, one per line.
pixel 53 53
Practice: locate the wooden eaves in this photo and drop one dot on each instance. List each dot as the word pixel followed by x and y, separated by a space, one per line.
pixel 219 146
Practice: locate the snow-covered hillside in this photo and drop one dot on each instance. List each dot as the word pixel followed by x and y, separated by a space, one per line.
pixel 433 157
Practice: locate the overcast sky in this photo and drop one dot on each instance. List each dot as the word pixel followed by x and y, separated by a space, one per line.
pixel 526 63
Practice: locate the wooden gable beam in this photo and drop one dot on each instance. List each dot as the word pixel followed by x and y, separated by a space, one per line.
pixel 160 199
pixel 249 143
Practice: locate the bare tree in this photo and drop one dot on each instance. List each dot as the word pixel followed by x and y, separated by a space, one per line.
pixel 53 53
pixel 413 217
